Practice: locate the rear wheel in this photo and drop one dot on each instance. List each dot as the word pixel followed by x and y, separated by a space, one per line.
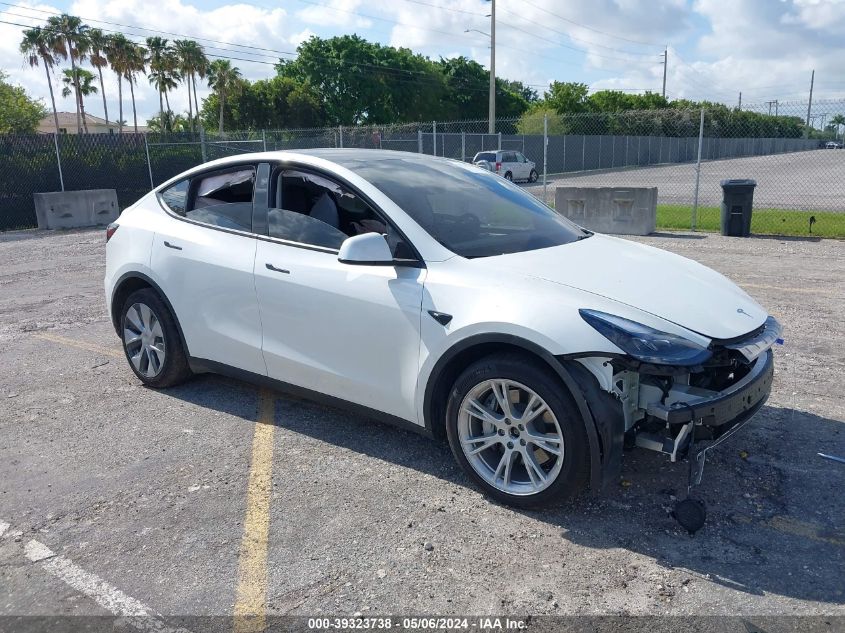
pixel 517 433
pixel 508 176
pixel 151 340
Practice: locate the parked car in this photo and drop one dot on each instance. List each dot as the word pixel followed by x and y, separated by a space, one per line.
pixel 435 295
pixel 509 165
pixel 833 145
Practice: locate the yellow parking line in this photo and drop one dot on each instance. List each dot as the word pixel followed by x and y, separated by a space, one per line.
pixel 88 347
pixel 251 599
pixel 811 531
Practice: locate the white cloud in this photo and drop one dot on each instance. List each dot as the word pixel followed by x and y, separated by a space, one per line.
pixel 335 13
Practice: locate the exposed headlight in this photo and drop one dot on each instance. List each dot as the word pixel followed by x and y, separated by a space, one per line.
pixel 644 343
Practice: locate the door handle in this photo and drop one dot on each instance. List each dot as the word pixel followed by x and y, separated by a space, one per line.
pixel 173 246
pixel 269 266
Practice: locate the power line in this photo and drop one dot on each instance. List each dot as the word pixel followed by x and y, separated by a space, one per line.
pixel 589 28
pixel 565 34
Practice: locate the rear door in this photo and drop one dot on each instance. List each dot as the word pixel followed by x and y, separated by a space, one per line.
pixel 510 164
pixel 524 166
pixel 203 255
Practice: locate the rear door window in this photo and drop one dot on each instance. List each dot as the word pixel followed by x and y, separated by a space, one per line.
pixel 223 198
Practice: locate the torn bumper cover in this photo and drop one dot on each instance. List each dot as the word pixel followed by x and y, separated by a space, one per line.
pixel 730 406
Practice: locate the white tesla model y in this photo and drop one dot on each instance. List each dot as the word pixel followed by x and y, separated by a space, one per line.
pixel 437 295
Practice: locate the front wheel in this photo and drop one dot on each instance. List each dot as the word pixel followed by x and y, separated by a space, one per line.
pixel 517 433
pixel 533 176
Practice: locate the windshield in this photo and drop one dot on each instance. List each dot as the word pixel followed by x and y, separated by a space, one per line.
pixel 471 212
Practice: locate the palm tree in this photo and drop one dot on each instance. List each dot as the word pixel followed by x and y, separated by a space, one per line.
pixel 38 48
pixel 192 61
pixel 80 81
pixel 838 120
pixel 136 60
pixel 157 47
pixel 97 44
pixel 117 50
pixel 223 78
pixel 71 42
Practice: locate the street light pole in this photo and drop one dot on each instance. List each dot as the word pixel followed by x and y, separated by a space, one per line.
pixel 492 113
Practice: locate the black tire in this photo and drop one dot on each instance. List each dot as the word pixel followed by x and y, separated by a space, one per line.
pixel 508 176
pixel 174 369
pixel 533 176
pixel 573 477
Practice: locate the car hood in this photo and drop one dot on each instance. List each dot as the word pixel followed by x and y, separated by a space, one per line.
pixel 661 283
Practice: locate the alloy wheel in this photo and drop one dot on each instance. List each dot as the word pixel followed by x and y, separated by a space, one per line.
pixel 143 340
pixel 510 437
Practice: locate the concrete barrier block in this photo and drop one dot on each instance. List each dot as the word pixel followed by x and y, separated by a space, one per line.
pixel 74 209
pixel 620 210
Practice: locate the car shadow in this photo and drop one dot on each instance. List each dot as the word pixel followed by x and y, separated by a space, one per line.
pixel 775 517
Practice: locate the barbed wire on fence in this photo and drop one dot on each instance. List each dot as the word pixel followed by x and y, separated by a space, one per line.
pixel 796 172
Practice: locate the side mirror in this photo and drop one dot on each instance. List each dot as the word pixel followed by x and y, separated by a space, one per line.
pixel 368 249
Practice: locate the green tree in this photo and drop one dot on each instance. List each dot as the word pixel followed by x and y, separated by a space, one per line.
pixel 71 42
pixel 567 97
pixel 97 44
pixel 81 81
pixel 224 79
pixel 37 46
pixel 19 114
pixel 279 102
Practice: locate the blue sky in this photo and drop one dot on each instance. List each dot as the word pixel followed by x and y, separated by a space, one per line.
pixel 764 48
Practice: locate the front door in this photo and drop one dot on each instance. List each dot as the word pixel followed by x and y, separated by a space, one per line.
pixel 347 331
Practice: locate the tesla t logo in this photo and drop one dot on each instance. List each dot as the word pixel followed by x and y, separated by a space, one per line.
pixel 741 311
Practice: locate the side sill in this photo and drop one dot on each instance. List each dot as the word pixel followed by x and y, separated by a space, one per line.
pixel 202 366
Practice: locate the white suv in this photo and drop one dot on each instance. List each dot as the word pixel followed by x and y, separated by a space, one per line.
pixel 433 294
pixel 509 165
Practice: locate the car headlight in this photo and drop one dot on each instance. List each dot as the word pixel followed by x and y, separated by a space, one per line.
pixel 644 343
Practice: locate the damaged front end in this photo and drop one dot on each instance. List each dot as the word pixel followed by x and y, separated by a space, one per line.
pixel 679 397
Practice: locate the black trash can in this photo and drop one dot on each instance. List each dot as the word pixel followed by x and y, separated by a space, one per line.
pixel 737 203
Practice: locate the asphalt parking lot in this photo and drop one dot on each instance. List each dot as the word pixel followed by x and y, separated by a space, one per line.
pixel 115 498
pixel 807 181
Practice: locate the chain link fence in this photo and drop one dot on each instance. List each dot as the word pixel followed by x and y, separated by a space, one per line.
pixel 798 168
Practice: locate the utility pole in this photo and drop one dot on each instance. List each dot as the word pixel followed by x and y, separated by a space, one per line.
pixel 665 62
pixel 810 103
pixel 492 113
pixel 739 106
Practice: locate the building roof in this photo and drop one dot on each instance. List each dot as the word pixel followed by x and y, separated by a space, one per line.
pixel 68 120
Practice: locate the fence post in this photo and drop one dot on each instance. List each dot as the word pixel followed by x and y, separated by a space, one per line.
pixel 59 160
pixel 202 145
pixel 545 151
pixel 463 146
pixel 340 135
pixel 419 141
pixel 149 164
pixel 500 141
pixel 697 171
pixel 264 139
pixel 434 137
pixel 625 164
